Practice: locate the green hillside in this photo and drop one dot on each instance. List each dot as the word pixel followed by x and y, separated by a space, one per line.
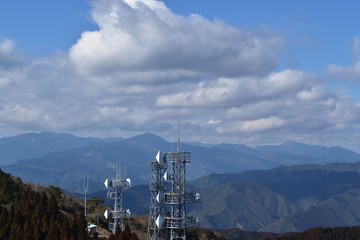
pixel 284 199
pixel 29 214
pixel 36 213
pixel 338 233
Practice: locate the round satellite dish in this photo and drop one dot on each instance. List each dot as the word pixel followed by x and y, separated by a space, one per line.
pixel 128 181
pixel 166 176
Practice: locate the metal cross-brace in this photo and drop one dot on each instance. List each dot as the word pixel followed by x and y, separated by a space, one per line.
pixel 118 214
pixel 178 197
pixel 157 186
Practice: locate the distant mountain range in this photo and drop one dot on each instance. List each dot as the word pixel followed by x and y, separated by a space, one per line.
pixel 34 145
pixel 62 159
pixel 285 199
pixel 281 188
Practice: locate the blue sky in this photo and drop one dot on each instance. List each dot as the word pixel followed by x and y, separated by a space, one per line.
pixel 253 72
pixel 323 30
pixel 327 25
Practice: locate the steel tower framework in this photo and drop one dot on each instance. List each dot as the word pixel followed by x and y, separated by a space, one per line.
pixel 178 197
pixel 157 186
pixel 118 214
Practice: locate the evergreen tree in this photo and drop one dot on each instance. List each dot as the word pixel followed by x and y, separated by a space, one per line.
pixel 28 206
pixel 73 228
pixel 133 236
pixel 19 233
pixel 2 233
pixel 112 237
pixel 82 226
pixel 64 229
pixel 5 232
pixel 122 236
pixel 18 218
pixel 53 208
pixel 11 214
pixel 127 232
pixel 3 216
pixel 45 224
pixel 54 228
pixel 28 230
pixel 37 235
pixel 23 197
pixel 50 235
pixel 36 198
pixel 117 232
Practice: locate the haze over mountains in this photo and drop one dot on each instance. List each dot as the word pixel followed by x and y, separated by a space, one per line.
pixel 280 188
pixel 33 145
pixel 62 159
pixel 284 199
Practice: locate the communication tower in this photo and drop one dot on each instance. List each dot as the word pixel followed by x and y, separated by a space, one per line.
pixel 177 199
pixel 118 214
pixel 86 189
pixel 157 186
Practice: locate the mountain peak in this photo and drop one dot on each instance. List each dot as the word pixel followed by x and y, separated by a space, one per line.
pixel 148 138
pixel 291 143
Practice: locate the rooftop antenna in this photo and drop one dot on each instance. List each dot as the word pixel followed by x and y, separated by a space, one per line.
pixel 86 188
pixel 118 214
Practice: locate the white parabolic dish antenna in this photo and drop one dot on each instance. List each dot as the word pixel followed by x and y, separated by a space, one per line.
pixel 159 221
pixel 128 181
pixel 160 197
pixel 106 183
pixel 106 214
pixel 159 157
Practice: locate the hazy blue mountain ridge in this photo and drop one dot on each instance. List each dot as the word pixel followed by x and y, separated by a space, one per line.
pixel 312 196
pixel 333 154
pixel 278 200
pixel 66 168
pixel 33 145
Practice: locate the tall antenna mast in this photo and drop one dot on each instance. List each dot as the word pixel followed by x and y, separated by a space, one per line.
pixel 86 189
pixel 157 186
pixel 118 214
pixel 178 198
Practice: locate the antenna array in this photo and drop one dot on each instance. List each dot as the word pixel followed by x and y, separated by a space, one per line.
pixel 86 189
pixel 177 199
pixel 118 214
pixel 157 188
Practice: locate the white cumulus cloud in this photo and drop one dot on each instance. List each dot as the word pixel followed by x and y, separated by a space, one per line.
pixel 146 38
pixel 9 56
pixel 146 69
pixel 347 73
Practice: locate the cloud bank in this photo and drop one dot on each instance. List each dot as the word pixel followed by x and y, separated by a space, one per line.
pixel 347 73
pixel 146 69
